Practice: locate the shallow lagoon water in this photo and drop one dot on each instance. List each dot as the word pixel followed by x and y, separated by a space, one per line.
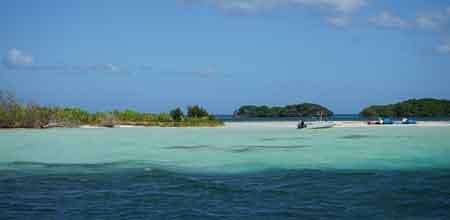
pixel 225 173
pixel 233 150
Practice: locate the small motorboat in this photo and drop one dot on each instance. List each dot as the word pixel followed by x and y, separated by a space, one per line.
pixel 388 121
pixel 409 121
pixel 404 121
pixel 320 124
pixel 316 124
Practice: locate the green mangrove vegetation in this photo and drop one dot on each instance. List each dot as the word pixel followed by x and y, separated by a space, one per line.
pixel 13 114
pixel 427 107
pixel 297 110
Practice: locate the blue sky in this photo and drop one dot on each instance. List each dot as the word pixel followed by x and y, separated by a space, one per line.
pixel 155 55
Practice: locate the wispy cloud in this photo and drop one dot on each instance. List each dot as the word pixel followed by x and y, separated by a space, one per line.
pixel 436 21
pixel 432 21
pixel 205 72
pixel 337 12
pixel 247 7
pixel 443 48
pixel 388 20
pixel 91 68
pixel 256 6
pixel 344 6
pixel 339 21
pixel 15 58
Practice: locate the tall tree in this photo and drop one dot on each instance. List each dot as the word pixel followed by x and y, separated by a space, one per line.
pixel 197 112
pixel 177 114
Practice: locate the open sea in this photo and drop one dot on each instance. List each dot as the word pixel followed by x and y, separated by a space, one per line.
pixel 225 173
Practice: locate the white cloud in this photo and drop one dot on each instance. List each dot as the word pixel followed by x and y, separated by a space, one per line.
pixel 385 19
pixel 106 68
pixel 431 21
pixel 255 6
pixel 111 68
pixel 205 72
pixel 338 5
pixel 247 7
pixel 339 21
pixel 15 59
pixel 444 48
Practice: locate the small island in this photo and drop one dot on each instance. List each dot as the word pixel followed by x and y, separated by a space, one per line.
pixel 427 107
pixel 15 115
pixel 296 110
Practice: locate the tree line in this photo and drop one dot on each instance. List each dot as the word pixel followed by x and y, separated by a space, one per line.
pixel 15 115
pixel 427 107
pixel 297 110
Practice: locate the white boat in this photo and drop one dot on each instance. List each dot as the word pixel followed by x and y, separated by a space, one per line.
pixel 320 124
pixel 316 124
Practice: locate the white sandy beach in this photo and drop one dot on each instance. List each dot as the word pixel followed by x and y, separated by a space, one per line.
pixel 339 124
pixel 293 124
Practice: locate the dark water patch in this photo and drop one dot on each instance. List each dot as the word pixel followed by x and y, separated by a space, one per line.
pixel 187 147
pixel 404 136
pixel 37 168
pixel 270 139
pixel 274 194
pixel 278 146
pixel 242 150
pixel 27 164
pixel 358 136
pixel 249 148
pixel 284 138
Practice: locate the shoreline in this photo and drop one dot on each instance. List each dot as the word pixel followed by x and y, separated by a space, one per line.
pixel 339 124
pixel 279 124
pixel 293 124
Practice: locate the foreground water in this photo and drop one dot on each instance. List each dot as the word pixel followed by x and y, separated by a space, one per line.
pixel 225 173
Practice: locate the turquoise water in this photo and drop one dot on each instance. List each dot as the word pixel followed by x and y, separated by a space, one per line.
pixel 226 150
pixel 225 173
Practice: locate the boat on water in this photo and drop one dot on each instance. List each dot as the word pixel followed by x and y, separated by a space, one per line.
pixel 315 125
pixel 52 125
pixel 390 121
pixel 320 124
